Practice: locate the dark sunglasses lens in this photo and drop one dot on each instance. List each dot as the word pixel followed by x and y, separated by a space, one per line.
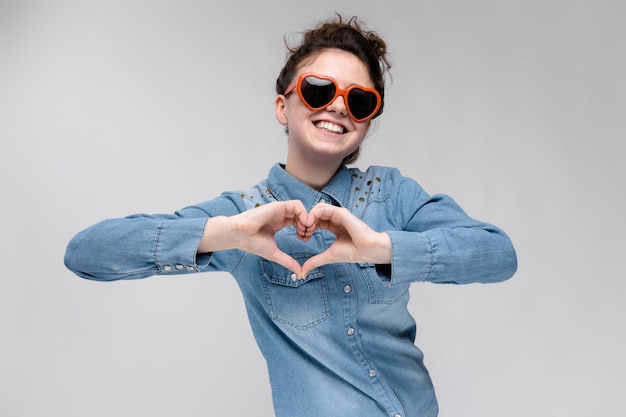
pixel 317 92
pixel 361 103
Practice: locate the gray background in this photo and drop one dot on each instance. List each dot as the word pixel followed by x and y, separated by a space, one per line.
pixel 515 108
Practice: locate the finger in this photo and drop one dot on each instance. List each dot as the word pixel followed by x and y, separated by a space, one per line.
pixel 326 214
pixel 274 216
pixel 305 234
pixel 287 261
pixel 323 211
pixel 316 261
pixel 341 221
pixel 303 228
pixel 297 210
pixel 296 214
pixel 305 231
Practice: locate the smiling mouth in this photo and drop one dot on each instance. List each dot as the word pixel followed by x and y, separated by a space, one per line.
pixel 330 127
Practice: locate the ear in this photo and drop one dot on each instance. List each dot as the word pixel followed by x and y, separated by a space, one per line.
pixel 279 109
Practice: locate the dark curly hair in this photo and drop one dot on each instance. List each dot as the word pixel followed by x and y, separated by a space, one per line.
pixel 347 35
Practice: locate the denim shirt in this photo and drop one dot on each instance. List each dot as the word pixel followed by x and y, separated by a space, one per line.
pixel 341 341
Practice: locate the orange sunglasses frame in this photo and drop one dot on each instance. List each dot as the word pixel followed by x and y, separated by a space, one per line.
pixel 297 85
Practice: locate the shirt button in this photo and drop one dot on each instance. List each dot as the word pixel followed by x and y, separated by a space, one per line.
pixel 167 268
pixel 294 277
pixel 347 289
pixel 372 373
pixel 179 266
pixel 397 415
pixel 350 331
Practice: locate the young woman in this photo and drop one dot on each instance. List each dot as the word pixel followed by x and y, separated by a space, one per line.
pixel 323 254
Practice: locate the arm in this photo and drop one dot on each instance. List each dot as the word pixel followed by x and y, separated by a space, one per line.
pixel 438 242
pixel 140 246
pixel 432 240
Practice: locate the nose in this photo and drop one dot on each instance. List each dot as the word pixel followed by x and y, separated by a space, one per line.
pixel 338 105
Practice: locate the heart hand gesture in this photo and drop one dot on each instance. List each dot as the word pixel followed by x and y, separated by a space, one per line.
pixel 253 231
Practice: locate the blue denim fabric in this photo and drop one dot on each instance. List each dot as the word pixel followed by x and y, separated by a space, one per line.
pixel 341 341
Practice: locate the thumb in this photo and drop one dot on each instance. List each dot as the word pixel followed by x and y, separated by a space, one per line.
pixel 287 261
pixel 316 261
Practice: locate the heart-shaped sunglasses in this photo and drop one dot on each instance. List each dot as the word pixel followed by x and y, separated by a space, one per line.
pixel 318 91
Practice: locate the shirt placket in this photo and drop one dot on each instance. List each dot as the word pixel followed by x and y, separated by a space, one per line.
pixel 350 304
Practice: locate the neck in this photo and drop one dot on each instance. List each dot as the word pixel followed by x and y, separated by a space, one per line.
pixel 315 176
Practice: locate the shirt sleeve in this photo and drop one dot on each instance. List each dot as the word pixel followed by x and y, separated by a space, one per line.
pixel 438 242
pixel 142 245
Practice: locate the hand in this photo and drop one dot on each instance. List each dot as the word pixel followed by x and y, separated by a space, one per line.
pixel 355 240
pixel 253 231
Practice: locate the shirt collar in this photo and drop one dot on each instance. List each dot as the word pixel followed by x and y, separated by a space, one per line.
pixel 284 186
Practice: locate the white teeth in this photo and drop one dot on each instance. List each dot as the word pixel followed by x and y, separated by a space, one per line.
pixel 331 127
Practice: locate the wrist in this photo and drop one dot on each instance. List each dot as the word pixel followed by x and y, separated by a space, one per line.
pixel 217 235
pixel 384 248
pixel 379 249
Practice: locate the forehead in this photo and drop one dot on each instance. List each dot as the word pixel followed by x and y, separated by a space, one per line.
pixel 346 68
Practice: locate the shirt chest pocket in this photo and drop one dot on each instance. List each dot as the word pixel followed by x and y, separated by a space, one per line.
pixel 301 303
pixel 380 287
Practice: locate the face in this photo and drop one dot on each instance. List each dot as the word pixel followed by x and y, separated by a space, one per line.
pixel 327 135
